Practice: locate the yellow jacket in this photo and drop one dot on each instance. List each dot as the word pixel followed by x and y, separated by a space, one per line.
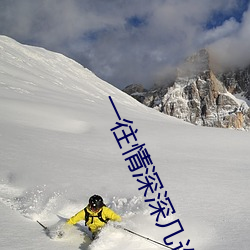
pixel 94 223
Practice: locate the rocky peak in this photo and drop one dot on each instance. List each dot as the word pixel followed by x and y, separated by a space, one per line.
pixel 201 97
pixel 197 64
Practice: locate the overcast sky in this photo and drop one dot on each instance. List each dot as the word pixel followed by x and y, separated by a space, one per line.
pixel 131 41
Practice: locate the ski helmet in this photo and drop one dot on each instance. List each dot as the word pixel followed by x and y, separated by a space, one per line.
pixel 95 202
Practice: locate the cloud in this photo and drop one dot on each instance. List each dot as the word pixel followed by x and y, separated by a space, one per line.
pixel 228 28
pixel 233 49
pixel 125 42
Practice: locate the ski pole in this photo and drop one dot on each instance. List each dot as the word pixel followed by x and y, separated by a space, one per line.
pixel 45 228
pixel 146 238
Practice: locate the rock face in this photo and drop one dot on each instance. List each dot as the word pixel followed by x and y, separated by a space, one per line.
pixel 136 90
pixel 237 81
pixel 201 97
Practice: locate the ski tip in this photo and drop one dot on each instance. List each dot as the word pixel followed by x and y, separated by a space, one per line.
pixel 62 218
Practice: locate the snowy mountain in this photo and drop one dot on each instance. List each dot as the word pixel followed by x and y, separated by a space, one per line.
pixel 57 149
pixel 201 95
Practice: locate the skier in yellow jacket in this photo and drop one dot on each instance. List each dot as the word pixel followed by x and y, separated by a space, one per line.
pixel 96 215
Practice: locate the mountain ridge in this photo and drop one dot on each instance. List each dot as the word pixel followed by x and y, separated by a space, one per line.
pixel 201 95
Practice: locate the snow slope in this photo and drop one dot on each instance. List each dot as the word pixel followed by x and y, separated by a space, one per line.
pixel 57 149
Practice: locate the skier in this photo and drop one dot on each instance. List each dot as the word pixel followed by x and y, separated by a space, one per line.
pixel 95 214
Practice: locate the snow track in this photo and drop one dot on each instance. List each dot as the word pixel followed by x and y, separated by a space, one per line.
pixel 32 204
pixel 39 204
